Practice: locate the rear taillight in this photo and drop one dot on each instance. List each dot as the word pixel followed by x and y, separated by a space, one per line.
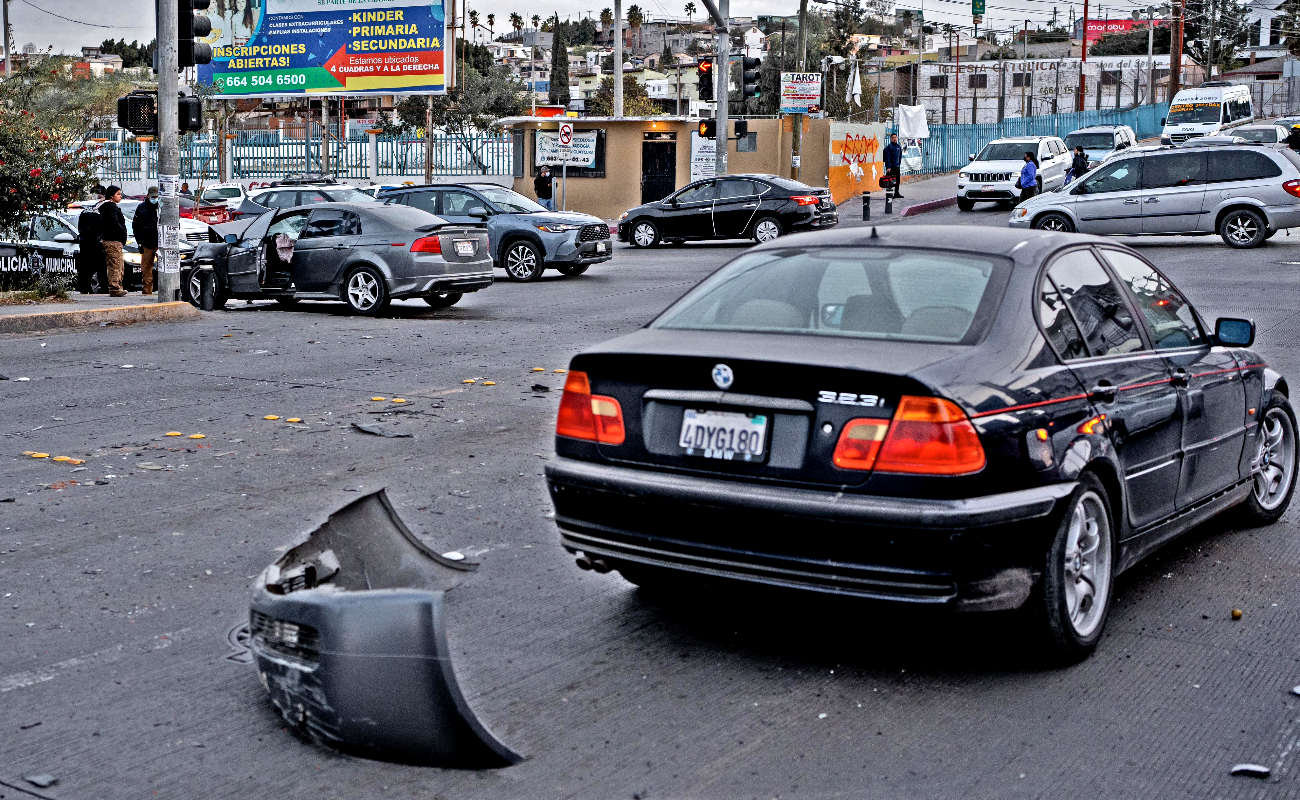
pixel 805 199
pixel 583 415
pixel 860 443
pixel 927 436
pixel 427 244
pixel 1292 188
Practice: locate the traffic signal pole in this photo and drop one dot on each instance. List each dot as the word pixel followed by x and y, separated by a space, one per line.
pixel 169 154
pixel 722 68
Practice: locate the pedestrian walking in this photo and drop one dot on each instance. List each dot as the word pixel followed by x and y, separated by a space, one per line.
pixel 1080 163
pixel 542 187
pixel 1028 177
pixel 90 256
pixel 144 225
pixel 893 158
pixel 112 237
pixel 1293 138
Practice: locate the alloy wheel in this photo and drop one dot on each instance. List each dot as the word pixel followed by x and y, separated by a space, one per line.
pixel 1242 229
pixel 363 291
pixel 521 262
pixel 1274 459
pixel 196 287
pixel 1052 224
pixel 1087 564
pixel 644 234
pixel 766 230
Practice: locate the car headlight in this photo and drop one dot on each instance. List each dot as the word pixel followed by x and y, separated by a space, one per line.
pixel 558 228
pixel 961 176
pixel 622 216
pixel 1019 212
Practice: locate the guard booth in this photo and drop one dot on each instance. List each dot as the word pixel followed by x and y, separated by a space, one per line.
pixel 644 159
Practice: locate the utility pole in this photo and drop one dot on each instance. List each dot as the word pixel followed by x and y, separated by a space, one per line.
pixel 618 59
pixel 1083 61
pixel 723 68
pixel 796 121
pixel 9 56
pixel 1176 48
pixel 169 153
pixel 1209 44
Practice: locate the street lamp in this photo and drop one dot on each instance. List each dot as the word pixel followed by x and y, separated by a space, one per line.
pixel 1150 12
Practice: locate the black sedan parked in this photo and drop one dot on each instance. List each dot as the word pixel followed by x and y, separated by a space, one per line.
pixel 972 418
pixel 364 254
pixel 758 207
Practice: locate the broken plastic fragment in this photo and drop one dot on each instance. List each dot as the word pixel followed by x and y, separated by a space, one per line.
pixel 378 399
pixel 381 430
pixel 454 555
pixel 560 371
pixel 539 369
pixel 489 383
pixel 1251 770
pixel 1236 613
pixel 172 433
pixel 399 399
pixel 270 416
pixel 42 781
pixel 294 419
pixel 468 380
pixel 40 455
pixel 196 436
pixel 60 458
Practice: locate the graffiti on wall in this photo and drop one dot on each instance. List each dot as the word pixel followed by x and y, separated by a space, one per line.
pixel 855 160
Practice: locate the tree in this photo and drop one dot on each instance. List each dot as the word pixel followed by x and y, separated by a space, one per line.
pixel 1291 26
pixel 466 113
pixel 606 21
pixel 491 21
pixel 636 101
pixel 517 23
pixel 536 21
pixel 1229 31
pixel 473 26
pixel 845 22
pixel 634 20
pixel 559 91
pixel 690 13
pixel 666 58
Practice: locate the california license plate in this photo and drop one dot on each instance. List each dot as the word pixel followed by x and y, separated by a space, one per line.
pixel 602 247
pixel 726 435
pixel 465 247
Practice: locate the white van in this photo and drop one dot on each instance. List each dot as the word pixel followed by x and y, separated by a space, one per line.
pixel 1210 108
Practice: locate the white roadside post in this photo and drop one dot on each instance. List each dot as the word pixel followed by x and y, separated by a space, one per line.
pixel 372 154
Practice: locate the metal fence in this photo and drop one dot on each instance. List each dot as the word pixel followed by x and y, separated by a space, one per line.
pixel 949 146
pixel 275 153
pixel 1275 98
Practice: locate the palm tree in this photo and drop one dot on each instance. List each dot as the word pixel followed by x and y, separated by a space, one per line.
pixel 634 20
pixel 516 22
pixel 606 20
pixel 536 21
pixel 491 20
pixel 473 26
pixel 690 12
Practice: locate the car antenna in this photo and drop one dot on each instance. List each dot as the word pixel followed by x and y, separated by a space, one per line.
pixel 874 235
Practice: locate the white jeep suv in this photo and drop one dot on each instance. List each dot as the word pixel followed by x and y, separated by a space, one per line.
pixel 992 174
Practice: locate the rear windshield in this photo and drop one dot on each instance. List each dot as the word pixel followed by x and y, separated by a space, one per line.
pixel 225 193
pixel 1007 151
pixel 869 293
pixel 405 217
pixel 1264 135
pixel 786 183
pixel 1090 141
pixel 345 194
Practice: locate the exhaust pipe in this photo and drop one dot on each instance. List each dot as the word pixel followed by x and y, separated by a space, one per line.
pixel 583 562
pixel 600 565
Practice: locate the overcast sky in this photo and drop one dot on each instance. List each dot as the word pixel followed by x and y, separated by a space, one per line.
pixel 131 19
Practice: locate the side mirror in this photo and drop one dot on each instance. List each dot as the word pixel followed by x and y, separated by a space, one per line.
pixel 231 238
pixel 971 157
pixel 1234 332
pixel 478 212
pixel 64 237
pixel 672 201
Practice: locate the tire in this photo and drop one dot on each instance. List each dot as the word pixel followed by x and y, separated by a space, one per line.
pixel 287 301
pixel 444 300
pixel 572 269
pixel 192 290
pixel 522 261
pixel 365 292
pixel 1274 465
pixel 1270 234
pixel 1054 222
pixel 965 205
pixel 1243 228
pixel 644 234
pixel 1067 608
pixel 766 229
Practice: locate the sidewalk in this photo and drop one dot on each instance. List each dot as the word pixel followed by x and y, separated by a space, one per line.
pixel 97 309
pixel 920 194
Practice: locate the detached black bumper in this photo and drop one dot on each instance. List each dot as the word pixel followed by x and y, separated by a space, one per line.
pixel 978 553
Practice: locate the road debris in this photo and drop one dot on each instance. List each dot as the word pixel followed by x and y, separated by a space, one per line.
pixel 378 399
pixel 29 725
pixel 1251 771
pixel 294 419
pixel 360 586
pixel 173 433
pixel 1236 613
pixel 537 387
pixel 42 781
pixel 149 465
pixel 381 430
pixel 270 417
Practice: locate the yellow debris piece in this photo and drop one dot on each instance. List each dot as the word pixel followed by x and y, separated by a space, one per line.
pixel 539 369
pixel 399 399
pixel 226 335
pixel 294 419
pixel 76 461
pixel 172 433
pixel 468 380
pixel 378 399
pixel 28 452
pixel 270 416
pixel 60 458
pixel 489 383
pixel 40 455
pixel 196 436
pixel 559 371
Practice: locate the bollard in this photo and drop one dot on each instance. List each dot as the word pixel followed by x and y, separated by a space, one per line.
pixel 889 203
pixel 866 206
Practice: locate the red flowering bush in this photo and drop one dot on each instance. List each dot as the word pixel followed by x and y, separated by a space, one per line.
pixel 37 169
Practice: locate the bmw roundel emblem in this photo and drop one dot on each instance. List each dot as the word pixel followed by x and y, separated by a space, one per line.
pixel 723 377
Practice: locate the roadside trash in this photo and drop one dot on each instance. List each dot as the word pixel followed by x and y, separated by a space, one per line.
pixel 173 433
pixel 1251 770
pixel 537 387
pixel 128 366
pixel 29 725
pixel 380 430
pixel 1294 689
pixel 454 555
pixel 4 377
pixel 42 781
pixel 489 383
pixel 1236 613
pixel 294 419
pixel 822 715
pixel 15 500
pixel 469 380
pixel 539 369
pixel 40 455
pixel 378 399
pixel 399 399
pixel 149 465
pixel 22 379
pixel 196 436
pixel 348 633
pixel 270 416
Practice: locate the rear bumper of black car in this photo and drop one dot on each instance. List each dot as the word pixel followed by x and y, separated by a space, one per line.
pixel 980 553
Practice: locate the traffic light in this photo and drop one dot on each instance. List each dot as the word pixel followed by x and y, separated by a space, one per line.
pixel 189 114
pixel 705 67
pixel 749 77
pixel 708 129
pixel 190 27
pixel 742 128
pixel 138 113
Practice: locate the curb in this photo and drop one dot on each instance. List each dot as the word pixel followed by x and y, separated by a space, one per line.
pixel 932 205
pixel 119 315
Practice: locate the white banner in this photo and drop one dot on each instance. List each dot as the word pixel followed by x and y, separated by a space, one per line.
pixel 581 153
pixel 704 157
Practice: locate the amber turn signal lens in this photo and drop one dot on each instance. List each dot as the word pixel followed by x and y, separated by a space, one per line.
pixel 592 418
pixel 859 443
pixel 930 436
pixel 1096 424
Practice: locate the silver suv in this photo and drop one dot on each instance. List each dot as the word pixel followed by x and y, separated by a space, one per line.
pixel 1242 191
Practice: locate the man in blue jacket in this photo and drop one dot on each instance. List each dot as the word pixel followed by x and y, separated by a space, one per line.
pixel 893 158
pixel 1028 177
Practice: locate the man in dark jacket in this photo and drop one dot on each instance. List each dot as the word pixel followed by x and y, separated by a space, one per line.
pixel 1080 163
pixel 542 188
pixel 893 158
pixel 1293 138
pixel 144 224
pixel 112 237
pixel 90 256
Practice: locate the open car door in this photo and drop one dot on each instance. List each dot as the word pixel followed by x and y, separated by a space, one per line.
pixel 246 261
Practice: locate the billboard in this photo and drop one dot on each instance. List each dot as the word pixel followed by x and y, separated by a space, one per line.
pixel 801 92
pixel 322 47
pixel 1098 28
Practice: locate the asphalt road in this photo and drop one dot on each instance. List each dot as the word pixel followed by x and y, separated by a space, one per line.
pixel 119 593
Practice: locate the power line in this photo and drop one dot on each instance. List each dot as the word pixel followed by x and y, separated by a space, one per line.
pixel 79 22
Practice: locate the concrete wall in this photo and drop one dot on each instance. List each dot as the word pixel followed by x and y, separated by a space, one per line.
pixel 620 189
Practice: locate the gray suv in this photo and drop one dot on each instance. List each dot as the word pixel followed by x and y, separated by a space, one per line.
pixel 1242 191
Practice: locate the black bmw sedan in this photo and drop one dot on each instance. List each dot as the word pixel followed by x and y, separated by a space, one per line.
pixel 973 418
pixel 758 207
